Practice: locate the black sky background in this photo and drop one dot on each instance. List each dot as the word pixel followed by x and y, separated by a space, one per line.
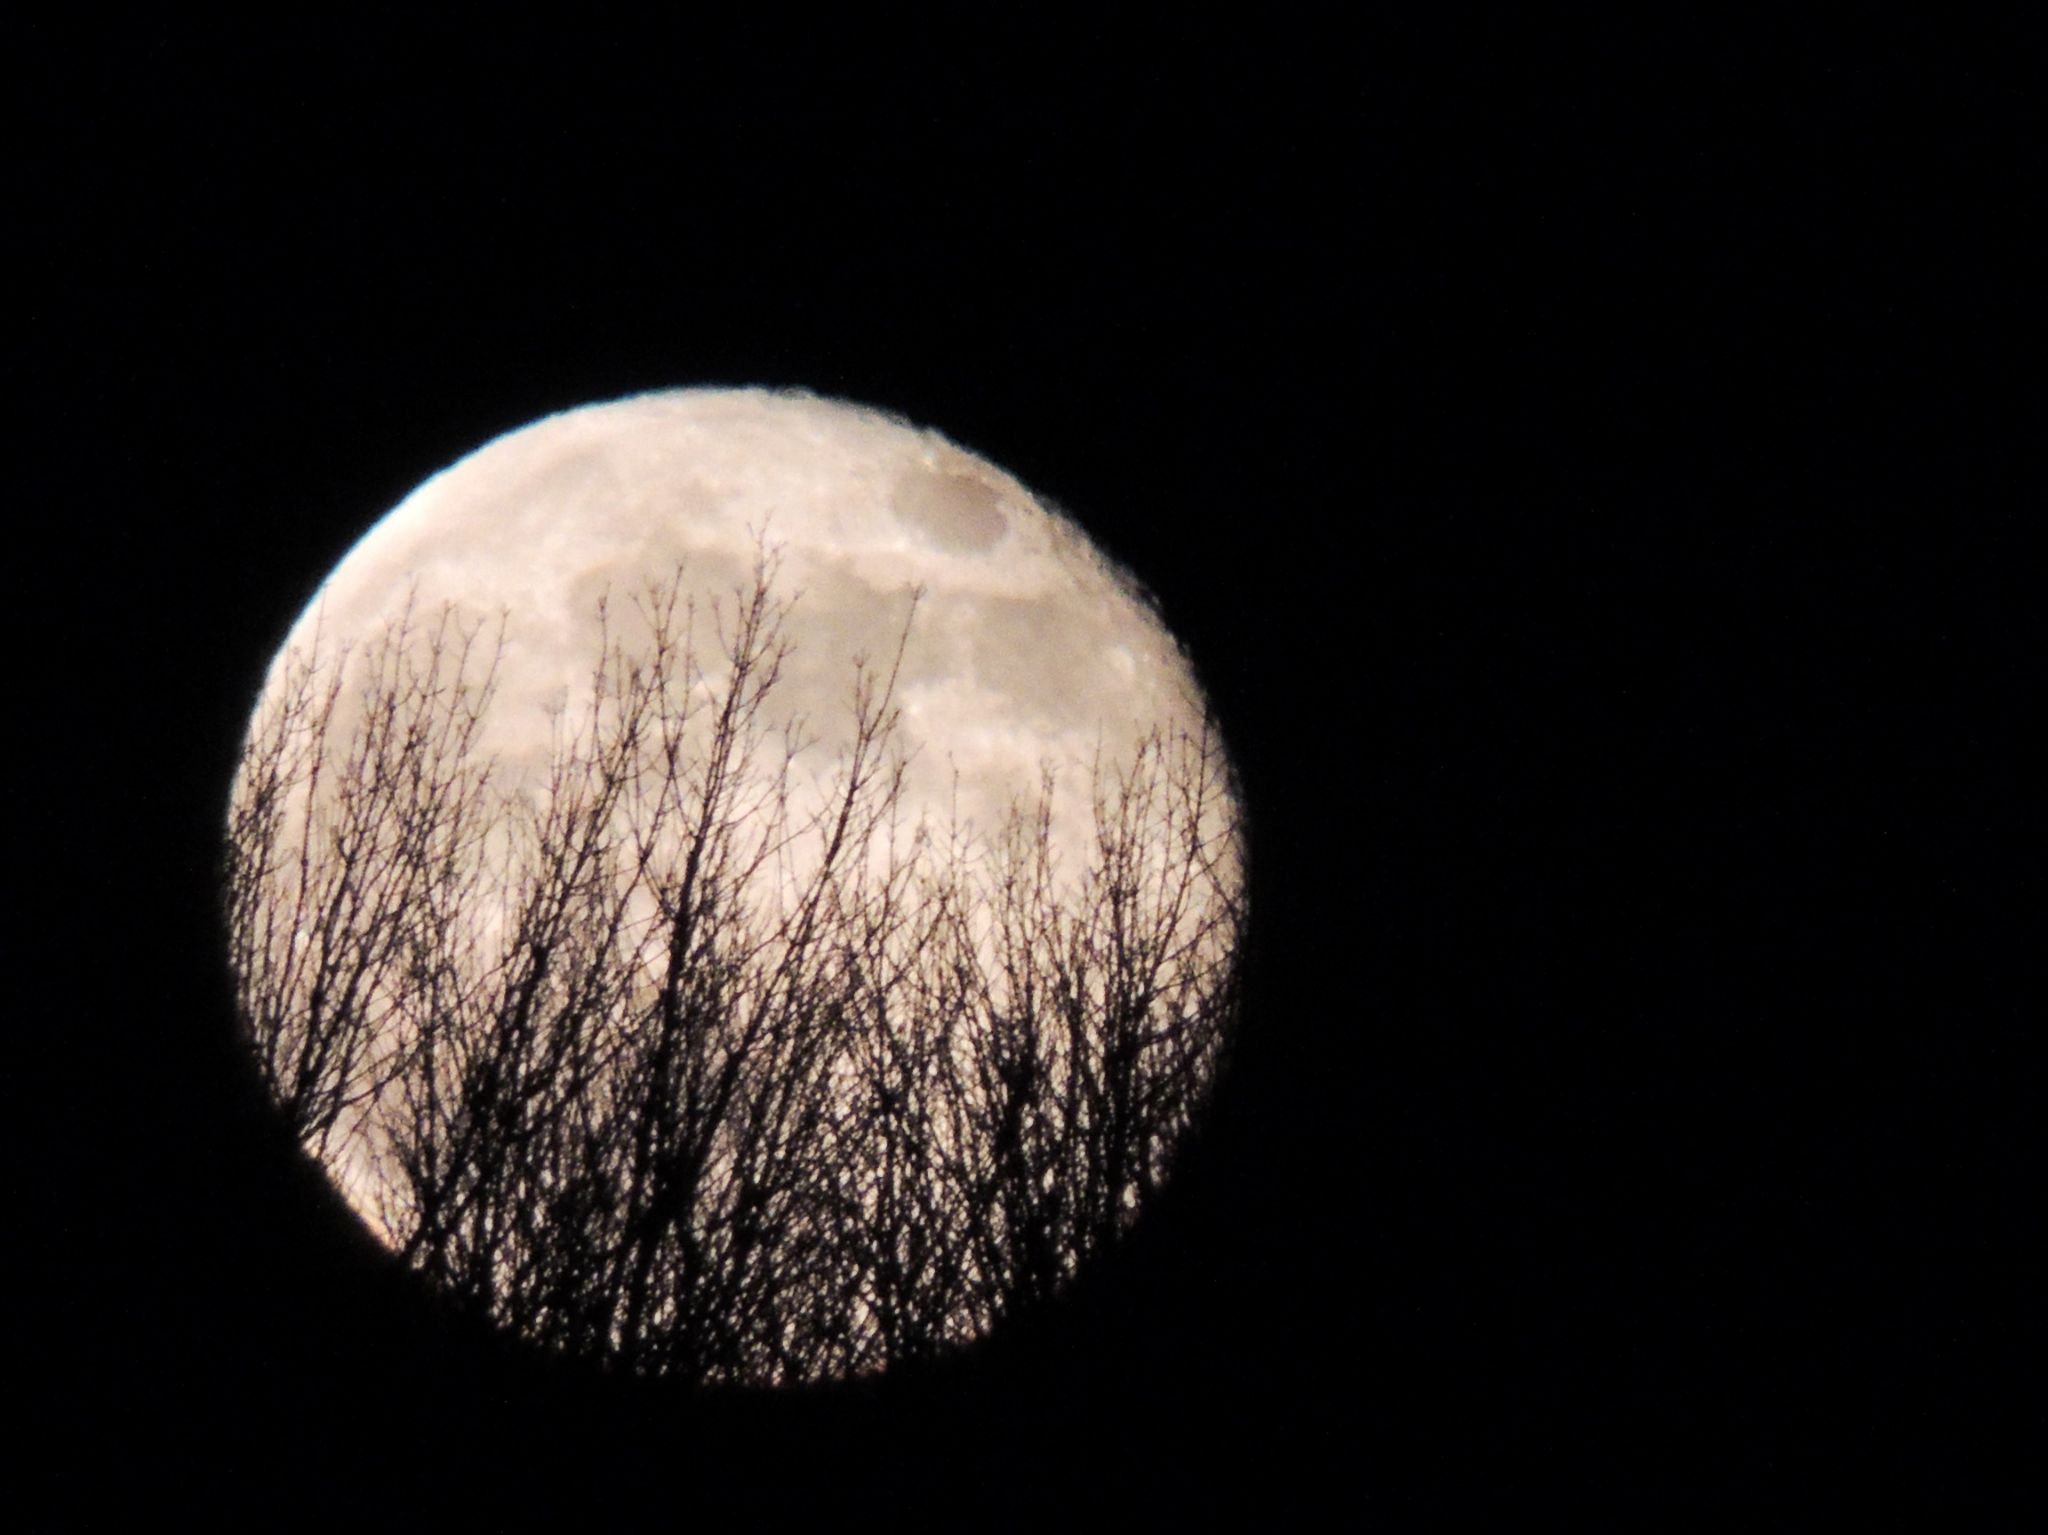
pixel 1589 470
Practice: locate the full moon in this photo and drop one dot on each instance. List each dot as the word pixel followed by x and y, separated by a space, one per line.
pixel 731 884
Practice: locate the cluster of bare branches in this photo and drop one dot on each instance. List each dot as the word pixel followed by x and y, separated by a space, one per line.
pixel 674 1059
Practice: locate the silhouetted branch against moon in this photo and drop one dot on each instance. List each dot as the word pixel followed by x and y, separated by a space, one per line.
pixel 784 973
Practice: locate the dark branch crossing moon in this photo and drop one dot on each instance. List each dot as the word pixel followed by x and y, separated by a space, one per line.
pixel 731 885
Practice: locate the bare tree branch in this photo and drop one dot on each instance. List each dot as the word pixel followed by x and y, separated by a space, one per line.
pixel 677 1061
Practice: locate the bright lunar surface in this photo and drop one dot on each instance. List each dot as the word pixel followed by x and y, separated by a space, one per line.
pixel 1028 649
pixel 1054 1054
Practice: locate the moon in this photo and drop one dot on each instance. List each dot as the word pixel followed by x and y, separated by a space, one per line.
pixel 730 883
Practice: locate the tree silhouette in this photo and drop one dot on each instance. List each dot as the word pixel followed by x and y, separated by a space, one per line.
pixel 676 1059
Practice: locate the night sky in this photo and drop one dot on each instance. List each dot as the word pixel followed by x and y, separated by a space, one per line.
pixel 1588 472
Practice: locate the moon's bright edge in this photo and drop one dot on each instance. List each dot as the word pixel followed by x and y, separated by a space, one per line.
pixel 1029 650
